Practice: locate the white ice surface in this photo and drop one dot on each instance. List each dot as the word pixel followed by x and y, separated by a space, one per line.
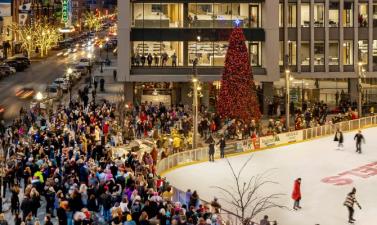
pixel 312 161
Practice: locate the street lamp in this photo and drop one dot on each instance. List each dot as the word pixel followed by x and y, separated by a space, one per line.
pixel 100 48
pixel 39 96
pixel 90 69
pixel 69 73
pixel 107 49
pixel 28 38
pixel 287 97
pixel 361 74
pixel 196 88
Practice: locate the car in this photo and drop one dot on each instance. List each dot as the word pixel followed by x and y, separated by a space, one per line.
pixel 18 65
pixel 8 69
pixel 82 69
pixel 53 91
pixel 62 83
pixel 25 93
pixel 76 74
pixel 84 62
pixel 22 58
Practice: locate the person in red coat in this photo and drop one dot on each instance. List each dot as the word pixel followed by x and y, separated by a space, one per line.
pixel 296 194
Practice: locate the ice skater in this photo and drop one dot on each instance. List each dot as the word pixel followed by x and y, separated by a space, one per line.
pixel 349 203
pixel 222 144
pixel 359 138
pixel 296 194
pixel 339 138
pixel 211 148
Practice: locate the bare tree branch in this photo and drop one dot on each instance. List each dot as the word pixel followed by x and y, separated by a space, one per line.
pixel 244 198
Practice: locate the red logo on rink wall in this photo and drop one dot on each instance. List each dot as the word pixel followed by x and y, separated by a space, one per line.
pixel 347 177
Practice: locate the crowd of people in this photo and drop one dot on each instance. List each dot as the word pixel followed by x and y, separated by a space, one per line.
pixel 59 164
pixel 155 60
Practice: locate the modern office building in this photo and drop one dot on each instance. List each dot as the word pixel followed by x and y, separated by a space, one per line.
pixel 191 29
pixel 320 41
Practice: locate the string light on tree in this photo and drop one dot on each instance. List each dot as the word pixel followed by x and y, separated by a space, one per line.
pixel 237 98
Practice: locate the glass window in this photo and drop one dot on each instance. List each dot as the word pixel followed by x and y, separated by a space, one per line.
pixel 363 51
pixel 255 50
pixel 319 14
pixel 281 53
pixel 374 15
pixel 281 15
pixel 292 15
pixel 219 15
pixel 255 15
pixel 157 50
pixel 348 14
pixel 334 14
pixel 200 15
pixel 374 53
pixel 319 53
pixel 348 52
pixel 334 53
pixel 208 53
pixel 305 53
pixel 157 15
pixel 305 15
pixel 292 52
pixel 363 15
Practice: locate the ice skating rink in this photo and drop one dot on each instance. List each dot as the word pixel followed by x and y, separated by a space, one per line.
pixel 327 176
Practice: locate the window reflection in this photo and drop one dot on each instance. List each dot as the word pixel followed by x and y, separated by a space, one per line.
pixel 334 53
pixel 157 15
pixel 348 14
pixel 348 52
pixel 305 53
pixel 319 14
pixel 363 15
pixel 363 51
pixel 319 53
pixel 292 15
pixel 334 14
pixel 305 15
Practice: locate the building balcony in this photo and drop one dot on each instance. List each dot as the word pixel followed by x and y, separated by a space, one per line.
pixel 191 34
pixel 182 74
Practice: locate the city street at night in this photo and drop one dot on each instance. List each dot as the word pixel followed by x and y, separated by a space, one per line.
pixel 187 112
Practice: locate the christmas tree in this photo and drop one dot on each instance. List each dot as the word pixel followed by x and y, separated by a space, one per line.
pixel 238 98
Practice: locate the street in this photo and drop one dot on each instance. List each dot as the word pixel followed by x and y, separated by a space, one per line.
pixel 37 76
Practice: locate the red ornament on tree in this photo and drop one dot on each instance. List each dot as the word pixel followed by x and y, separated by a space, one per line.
pixel 237 98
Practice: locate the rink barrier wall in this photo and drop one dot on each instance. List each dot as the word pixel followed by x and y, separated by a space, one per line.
pixel 199 155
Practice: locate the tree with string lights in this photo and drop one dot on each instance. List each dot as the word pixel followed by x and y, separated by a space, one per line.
pixel 238 98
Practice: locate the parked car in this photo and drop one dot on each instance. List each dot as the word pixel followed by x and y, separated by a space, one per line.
pixel 84 62
pixel 6 67
pixel 82 69
pixel 22 58
pixel 62 82
pixel 18 65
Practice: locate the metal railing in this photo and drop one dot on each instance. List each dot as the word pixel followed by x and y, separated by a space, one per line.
pixel 201 154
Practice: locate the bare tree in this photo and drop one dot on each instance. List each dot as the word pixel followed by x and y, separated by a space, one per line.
pixel 244 196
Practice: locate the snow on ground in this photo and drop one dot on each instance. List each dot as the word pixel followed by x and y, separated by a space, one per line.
pixel 312 161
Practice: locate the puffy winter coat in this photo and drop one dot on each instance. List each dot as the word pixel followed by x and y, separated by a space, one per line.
pixel 296 194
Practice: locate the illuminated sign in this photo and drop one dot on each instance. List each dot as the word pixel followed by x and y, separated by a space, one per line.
pixel 65 11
